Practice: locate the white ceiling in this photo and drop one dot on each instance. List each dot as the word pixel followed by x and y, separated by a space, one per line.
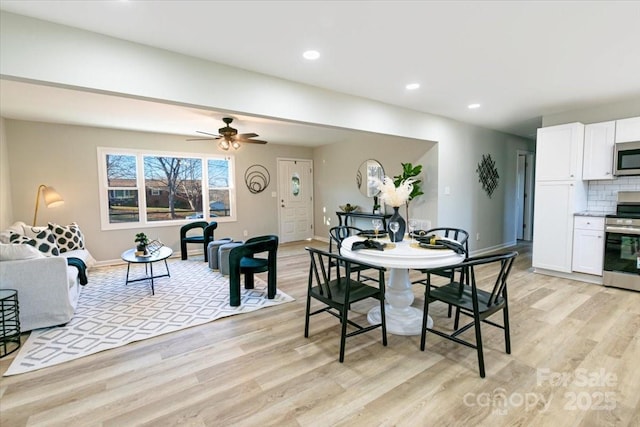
pixel 520 60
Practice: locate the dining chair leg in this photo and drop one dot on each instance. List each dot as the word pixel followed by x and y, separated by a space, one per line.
pixel 456 322
pixel 507 334
pixel 343 335
pixel 476 321
pixel 384 321
pixel 425 316
pixel 306 317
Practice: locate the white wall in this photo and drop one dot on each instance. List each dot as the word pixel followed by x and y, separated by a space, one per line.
pixel 335 168
pixel 6 208
pixel 596 114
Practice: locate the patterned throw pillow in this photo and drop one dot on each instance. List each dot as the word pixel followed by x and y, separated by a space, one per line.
pixel 43 241
pixel 69 237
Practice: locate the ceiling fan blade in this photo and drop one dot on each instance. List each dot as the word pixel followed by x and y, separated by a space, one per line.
pixel 207 133
pixel 247 135
pixel 254 141
pixel 203 139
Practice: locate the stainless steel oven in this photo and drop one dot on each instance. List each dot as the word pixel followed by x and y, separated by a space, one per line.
pixel 622 243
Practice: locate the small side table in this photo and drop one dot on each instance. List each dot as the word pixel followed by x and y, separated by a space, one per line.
pixel 161 255
pixel 9 322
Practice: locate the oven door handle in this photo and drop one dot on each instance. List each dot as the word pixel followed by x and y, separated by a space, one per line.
pixel 622 230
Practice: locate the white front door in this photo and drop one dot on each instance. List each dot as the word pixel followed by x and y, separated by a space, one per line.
pixel 295 194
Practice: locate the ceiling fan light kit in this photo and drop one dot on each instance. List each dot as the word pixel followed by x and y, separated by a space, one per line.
pixel 229 137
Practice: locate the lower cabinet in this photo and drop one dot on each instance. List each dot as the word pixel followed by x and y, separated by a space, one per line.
pixel 588 245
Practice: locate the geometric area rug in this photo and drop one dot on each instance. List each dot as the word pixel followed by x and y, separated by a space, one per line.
pixel 111 314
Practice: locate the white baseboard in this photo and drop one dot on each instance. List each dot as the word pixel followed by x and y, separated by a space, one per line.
pixel 484 251
pixel 580 277
pixel 120 261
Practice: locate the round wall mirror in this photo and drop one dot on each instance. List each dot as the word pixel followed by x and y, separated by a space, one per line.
pixel 367 170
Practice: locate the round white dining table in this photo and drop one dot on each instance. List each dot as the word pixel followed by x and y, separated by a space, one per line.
pixel 402 318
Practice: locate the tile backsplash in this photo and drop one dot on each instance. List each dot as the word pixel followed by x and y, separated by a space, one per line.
pixel 603 195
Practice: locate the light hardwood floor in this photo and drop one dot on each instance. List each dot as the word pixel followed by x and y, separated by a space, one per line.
pixel 574 362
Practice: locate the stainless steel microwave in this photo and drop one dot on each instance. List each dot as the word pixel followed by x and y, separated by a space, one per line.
pixel 627 158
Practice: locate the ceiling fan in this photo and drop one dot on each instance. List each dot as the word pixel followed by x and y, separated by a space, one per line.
pixel 229 137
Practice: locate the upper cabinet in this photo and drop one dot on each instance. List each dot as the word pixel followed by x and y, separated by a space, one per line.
pixel 628 130
pixel 598 151
pixel 559 152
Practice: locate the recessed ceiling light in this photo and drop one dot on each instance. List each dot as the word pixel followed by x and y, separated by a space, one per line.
pixel 473 106
pixel 412 86
pixel 311 55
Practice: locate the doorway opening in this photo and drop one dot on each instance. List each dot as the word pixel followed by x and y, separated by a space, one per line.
pixel 524 193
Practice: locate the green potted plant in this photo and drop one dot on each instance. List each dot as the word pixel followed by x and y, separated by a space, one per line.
pixel 141 243
pixel 410 172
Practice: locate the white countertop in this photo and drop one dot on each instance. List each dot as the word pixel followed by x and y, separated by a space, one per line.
pixel 593 213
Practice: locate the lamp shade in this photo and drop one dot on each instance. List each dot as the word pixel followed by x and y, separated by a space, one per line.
pixel 51 197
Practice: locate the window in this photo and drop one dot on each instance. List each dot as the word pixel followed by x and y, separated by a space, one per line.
pixel 141 188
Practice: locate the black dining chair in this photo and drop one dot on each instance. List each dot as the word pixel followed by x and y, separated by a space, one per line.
pixel 469 299
pixel 339 293
pixel 202 235
pixel 459 235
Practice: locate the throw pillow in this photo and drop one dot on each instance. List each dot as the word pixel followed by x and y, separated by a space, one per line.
pixel 68 237
pixel 11 252
pixel 43 241
pixel 32 231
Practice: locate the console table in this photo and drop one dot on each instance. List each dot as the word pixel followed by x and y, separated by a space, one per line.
pixel 366 215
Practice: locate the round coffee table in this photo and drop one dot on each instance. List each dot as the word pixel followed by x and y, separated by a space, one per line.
pixel 160 255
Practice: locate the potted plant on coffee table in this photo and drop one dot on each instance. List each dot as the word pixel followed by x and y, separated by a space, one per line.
pixel 141 244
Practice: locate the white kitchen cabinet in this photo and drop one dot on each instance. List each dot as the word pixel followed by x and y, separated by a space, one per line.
pixel 588 245
pixel 559 151
pixel 555 204
pixel 628 130
pixel 599 140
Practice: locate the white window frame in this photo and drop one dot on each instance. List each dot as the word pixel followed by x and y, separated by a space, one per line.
pixel 103 188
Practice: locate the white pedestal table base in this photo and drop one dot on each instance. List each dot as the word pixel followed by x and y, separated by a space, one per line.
pixel 402 319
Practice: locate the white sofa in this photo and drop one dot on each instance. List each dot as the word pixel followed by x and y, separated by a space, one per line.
pixel 48 288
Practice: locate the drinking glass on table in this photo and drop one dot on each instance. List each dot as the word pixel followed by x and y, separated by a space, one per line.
pixel 394 226
pixel 412 224
pixel 377 225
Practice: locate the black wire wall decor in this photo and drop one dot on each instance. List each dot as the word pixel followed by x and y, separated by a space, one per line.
pixel 257 178
pixel 488 174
